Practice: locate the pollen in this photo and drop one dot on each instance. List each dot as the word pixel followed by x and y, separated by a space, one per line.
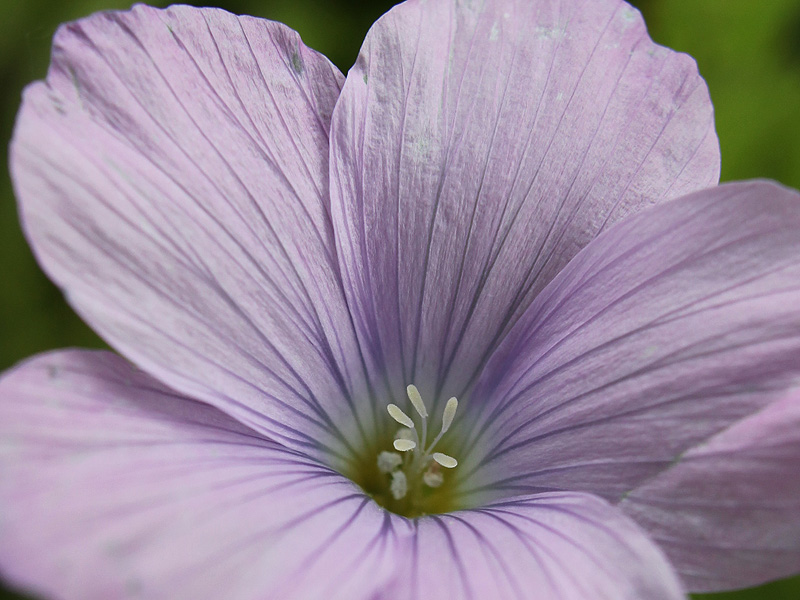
pixel 399 487
pixel 389 461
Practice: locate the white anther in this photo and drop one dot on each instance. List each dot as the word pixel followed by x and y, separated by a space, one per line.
pixel 416 400
pixel 433 479
pixel 389 461
pixel 448 462
pixel 404 433
pixel 449 414
pixel 404 445
pixel 399 486
pixel 398 415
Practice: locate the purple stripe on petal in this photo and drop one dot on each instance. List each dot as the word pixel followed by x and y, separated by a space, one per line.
pixel 678 325
pixel 726 513
pixel 562 546
pixel 478 146
pixel 172 173
pixel 113 486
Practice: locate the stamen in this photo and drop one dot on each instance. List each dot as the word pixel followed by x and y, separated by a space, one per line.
pixel 448 462
pixel 449 413
pixel 398 415
pixel 389 461
pixel 416 400
pixel 404 445
pixel 399 486
pixel 447 420
pixel 419 462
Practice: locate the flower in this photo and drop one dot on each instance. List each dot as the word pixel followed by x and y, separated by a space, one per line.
pixel 473 233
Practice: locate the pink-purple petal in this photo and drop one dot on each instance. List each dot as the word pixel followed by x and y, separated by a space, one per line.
pixel 112 486
pixel 172 173
pixel 561 546
pixel 726 513
pixel 478 146
pixel 669 329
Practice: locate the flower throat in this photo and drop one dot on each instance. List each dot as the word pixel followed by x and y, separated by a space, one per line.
pixel 410 479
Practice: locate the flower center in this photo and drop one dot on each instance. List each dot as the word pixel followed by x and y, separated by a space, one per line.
pixel 408 477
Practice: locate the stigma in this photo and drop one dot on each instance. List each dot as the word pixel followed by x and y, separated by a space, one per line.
pixel 414 464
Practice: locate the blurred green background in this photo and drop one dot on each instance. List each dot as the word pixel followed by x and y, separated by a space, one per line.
pixel 748 51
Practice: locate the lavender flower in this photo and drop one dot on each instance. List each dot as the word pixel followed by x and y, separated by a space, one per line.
pixel 432 330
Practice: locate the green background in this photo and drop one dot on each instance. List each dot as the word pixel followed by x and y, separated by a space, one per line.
pixel 748 51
